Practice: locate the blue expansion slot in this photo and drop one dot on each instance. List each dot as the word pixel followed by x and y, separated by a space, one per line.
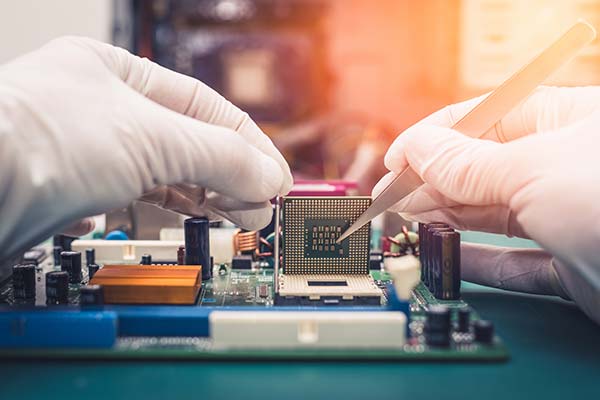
pixel 58 329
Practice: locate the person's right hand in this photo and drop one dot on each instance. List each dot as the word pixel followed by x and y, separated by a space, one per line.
pixel 542 186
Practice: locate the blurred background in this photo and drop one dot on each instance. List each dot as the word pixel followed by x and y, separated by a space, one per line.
pixel 331 81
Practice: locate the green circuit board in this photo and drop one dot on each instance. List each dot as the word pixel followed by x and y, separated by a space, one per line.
pixel 255 288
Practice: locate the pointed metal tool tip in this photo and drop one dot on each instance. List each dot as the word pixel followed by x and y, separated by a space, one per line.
pixel 344 236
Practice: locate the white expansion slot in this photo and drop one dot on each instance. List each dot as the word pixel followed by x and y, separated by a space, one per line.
pixel 307 329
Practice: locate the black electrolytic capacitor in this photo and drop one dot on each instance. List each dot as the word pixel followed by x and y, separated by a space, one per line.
pixel 90 256
pixel 92 269
pixel 57 287
pixel 446 265
pixel 70 262
pixel 437 326
pixel 464 319
pixel 56 250
pixel 484 331
pixel 422 227
pixel 197 249
pixel 91 295
pixel 429 249
pixel 23 281
pixel 146 259
pixel 63 241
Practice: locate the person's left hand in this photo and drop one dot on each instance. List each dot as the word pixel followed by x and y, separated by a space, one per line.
pixel 86 127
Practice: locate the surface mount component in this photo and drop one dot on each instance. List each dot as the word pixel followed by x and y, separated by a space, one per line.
pixel 149 284
pixel 243 261
pixel 375 261
pixel 34 256
pixel 317 270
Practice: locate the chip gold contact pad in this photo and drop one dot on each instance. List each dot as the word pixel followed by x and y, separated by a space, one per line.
pixel 321 235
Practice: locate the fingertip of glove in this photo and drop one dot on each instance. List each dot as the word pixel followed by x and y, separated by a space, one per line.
pixel 254 219
pixel 288 181
pixel 382 184
pixel 81 227
pixel 397 158
pixel 272 179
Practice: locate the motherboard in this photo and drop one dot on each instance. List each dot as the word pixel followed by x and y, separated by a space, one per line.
pixel 293 293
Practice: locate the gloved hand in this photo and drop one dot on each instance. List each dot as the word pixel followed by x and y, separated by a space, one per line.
pixel 543 184
pixel 86 127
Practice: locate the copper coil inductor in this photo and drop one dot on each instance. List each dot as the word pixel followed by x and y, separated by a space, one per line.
pixel 245 242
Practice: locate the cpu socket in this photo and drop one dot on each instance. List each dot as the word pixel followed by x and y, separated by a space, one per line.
pixel 316 269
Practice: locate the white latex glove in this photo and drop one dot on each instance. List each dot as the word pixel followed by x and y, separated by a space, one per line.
pixel 86 127
pixel 541 186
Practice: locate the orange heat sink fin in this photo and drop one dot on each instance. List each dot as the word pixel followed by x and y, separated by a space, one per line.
pixel 149 284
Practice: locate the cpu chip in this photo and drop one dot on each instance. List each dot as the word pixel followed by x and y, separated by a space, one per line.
pixel 311 226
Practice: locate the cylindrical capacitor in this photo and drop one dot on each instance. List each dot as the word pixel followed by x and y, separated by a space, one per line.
pixel 464 319
pixel 70 262
pixel 484 331
pixel 181 255
pixel 437 326
pixel 92 269
pixel 446 265
pixel 57 287
pixel 63 241
pixel 197 249
pixel 23 281
pixel 422 227
pixel 428 249
pixel 146 259
pixel 91 295
pixel 56 250
pixel 90 256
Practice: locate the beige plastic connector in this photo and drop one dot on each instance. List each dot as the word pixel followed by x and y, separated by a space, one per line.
pixel 406 273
